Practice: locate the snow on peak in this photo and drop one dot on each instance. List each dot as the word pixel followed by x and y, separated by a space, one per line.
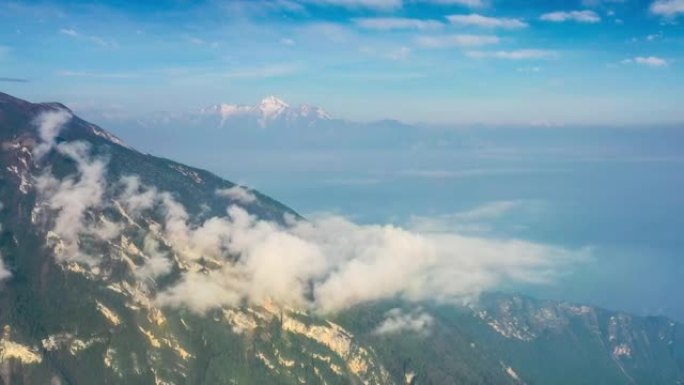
pixel 268 110
pixel 272 101
pixel 271 108
pixel 307 111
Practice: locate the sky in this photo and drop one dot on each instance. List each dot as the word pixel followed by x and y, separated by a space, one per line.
pixel 608 62
pixel 568 112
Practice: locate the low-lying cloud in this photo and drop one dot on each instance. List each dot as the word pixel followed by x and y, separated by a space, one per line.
pixel 331 263
pixel 4 272
pixel 49 125
pixel 237 193
pixel 326 264
pixel 399 321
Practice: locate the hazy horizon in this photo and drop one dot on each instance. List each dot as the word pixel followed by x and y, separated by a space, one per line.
pixel 465 62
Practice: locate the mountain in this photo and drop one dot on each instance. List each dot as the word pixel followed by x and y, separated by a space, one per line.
pixel 119 267
pixel 270 111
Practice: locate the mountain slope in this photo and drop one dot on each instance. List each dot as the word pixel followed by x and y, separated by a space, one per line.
pixel 533 341
pixel 113 263
pixel 77 311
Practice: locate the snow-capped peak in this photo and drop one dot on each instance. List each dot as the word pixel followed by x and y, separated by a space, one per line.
pixel 268 110
pixel 272 102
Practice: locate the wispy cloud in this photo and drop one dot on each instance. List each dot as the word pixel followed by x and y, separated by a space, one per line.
pixel 577 16
pixel 392 23
pixel 4 272
pixel 368 4
pixel 352 181
pixel 270 71
pixel 649 61
pixel 465 173
pixel 98 75
pixel 460 40
pixel 237 193
pixel 490 210
pixel 532 69
pixel 399 321
pixel 250 8
pixel 478 220
pixel 385 76
pixel 521 54
pixel 98 40
pixel 477 20
pixel 392 53
pixel 69 32
pixel 287 41
pixel 13 80
pixel 463 3
pixel 668 8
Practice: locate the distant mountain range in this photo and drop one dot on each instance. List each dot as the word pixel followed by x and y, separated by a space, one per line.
pixel 269 111
pixel 96 250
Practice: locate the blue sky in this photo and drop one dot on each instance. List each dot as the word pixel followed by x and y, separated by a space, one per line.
pixel 607 62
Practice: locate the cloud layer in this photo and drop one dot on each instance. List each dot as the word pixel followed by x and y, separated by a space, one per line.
pixel 326 264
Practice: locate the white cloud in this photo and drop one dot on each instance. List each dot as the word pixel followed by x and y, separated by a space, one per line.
pixel 649 61
pixel 369 4
pixel 464 173
pixel 463 3
pixel 597 3
pixel 391 53
pixel 69 32
pixel 654 36
pixel 49 125
pixel 392 23
pixel 326 264
pixel 135 197
pixel 668 8
pixel 486 21
pixel 461 40
pixel 98 40
pixel 488 210
pixel 477 220
pixel 532 69
pixel 578 16
pixel 287 41
pixel 71 198
pixel 4 273
pixel 397 321
pixel 400 53
pixel 98 75
pixel 157 262
pixel 340 264
pixel 237 193
pixel 521 54
pixel 250 8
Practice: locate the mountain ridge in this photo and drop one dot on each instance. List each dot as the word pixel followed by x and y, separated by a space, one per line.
pixel 271 110
pixel 115 303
